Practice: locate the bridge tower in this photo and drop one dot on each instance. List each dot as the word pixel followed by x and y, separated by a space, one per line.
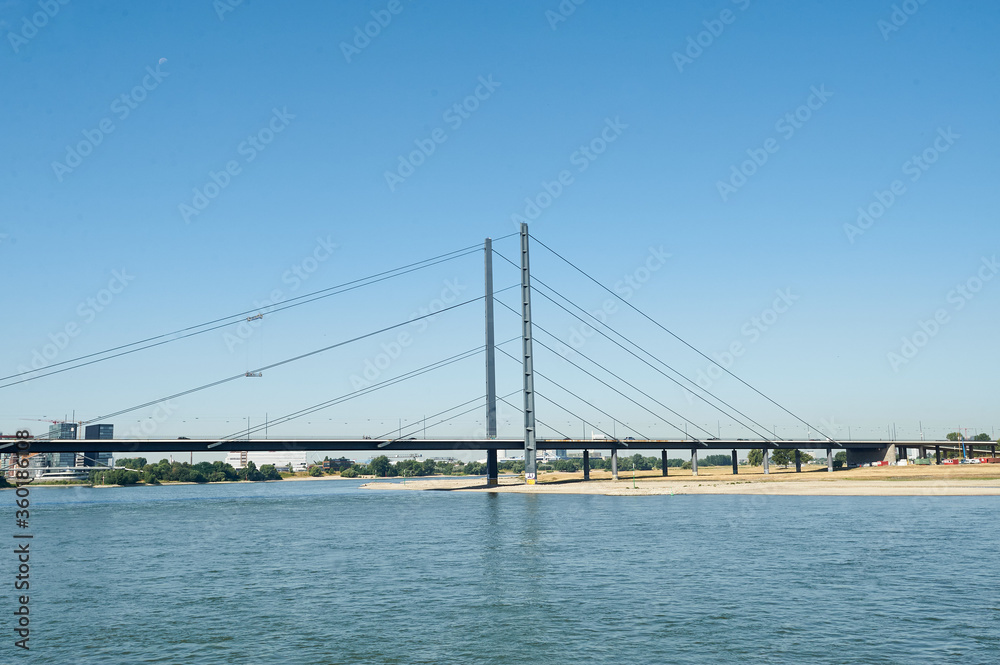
pixel 530 468
pixel 492 467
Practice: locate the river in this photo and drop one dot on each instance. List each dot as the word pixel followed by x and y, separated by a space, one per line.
pixel 326 572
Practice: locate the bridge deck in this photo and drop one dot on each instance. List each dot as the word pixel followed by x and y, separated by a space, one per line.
pixel 386 445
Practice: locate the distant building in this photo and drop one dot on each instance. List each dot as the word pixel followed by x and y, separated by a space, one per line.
pixel 100 431
pixel 62 431
pixel 293 459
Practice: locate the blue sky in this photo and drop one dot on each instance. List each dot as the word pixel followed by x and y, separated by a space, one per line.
pixel 334 113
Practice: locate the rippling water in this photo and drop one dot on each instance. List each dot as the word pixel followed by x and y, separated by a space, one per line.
pixel 324 572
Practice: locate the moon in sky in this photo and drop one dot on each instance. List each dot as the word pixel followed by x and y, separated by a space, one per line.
pixel 162 60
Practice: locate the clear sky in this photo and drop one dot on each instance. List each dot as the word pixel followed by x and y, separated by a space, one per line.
pixel 834 161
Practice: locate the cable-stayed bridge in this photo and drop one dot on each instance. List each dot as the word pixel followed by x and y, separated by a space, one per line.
pixel 691 436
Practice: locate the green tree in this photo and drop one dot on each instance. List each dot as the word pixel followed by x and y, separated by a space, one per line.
pixel 270 472
pixel 314 471
pixel 409 467
pixel 446 468
pixel 840 460
pixel 250 472
pixel 782 456
pixel 953 436
pixel 136 463
pixel 786 457
pixel 429 468
pixel 981 437
pixel 755 457
pixel 114 477
pixel 475 469
pixel 380 466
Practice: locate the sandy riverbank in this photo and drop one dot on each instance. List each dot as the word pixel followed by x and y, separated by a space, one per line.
pixel 964 480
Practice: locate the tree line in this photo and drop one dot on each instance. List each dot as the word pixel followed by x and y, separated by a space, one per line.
pixel 132 471
pixel 383 468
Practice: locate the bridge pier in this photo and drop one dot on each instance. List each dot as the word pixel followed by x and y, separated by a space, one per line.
pixel 694 461
pixel 798 461
pixel 937 454
pixel 993 451
pixel 663 459
pixel 829 460
pixel 586 465
pixel 867 455
pixel 492 468
pixel 614 464
pixel 767 468
pixel 736 468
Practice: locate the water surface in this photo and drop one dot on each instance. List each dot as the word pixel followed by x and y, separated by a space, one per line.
pixel 325 572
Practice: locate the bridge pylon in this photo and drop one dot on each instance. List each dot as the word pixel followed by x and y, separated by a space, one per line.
pixel 530 464
pixel 492 467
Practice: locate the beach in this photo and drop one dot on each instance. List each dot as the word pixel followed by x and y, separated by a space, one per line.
pixel 913 480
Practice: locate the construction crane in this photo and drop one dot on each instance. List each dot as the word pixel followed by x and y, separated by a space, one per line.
pixel 78 423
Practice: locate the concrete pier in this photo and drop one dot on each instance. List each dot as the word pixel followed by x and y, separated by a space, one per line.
pixel 492 468
pixel 586 465
pixel 937 454
pixel 766 460
pixel 736 463
pixel 798 461
pixel 869 455
pixel 829 460
pixel 614 464
pixel 663 461
pixel 694 461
